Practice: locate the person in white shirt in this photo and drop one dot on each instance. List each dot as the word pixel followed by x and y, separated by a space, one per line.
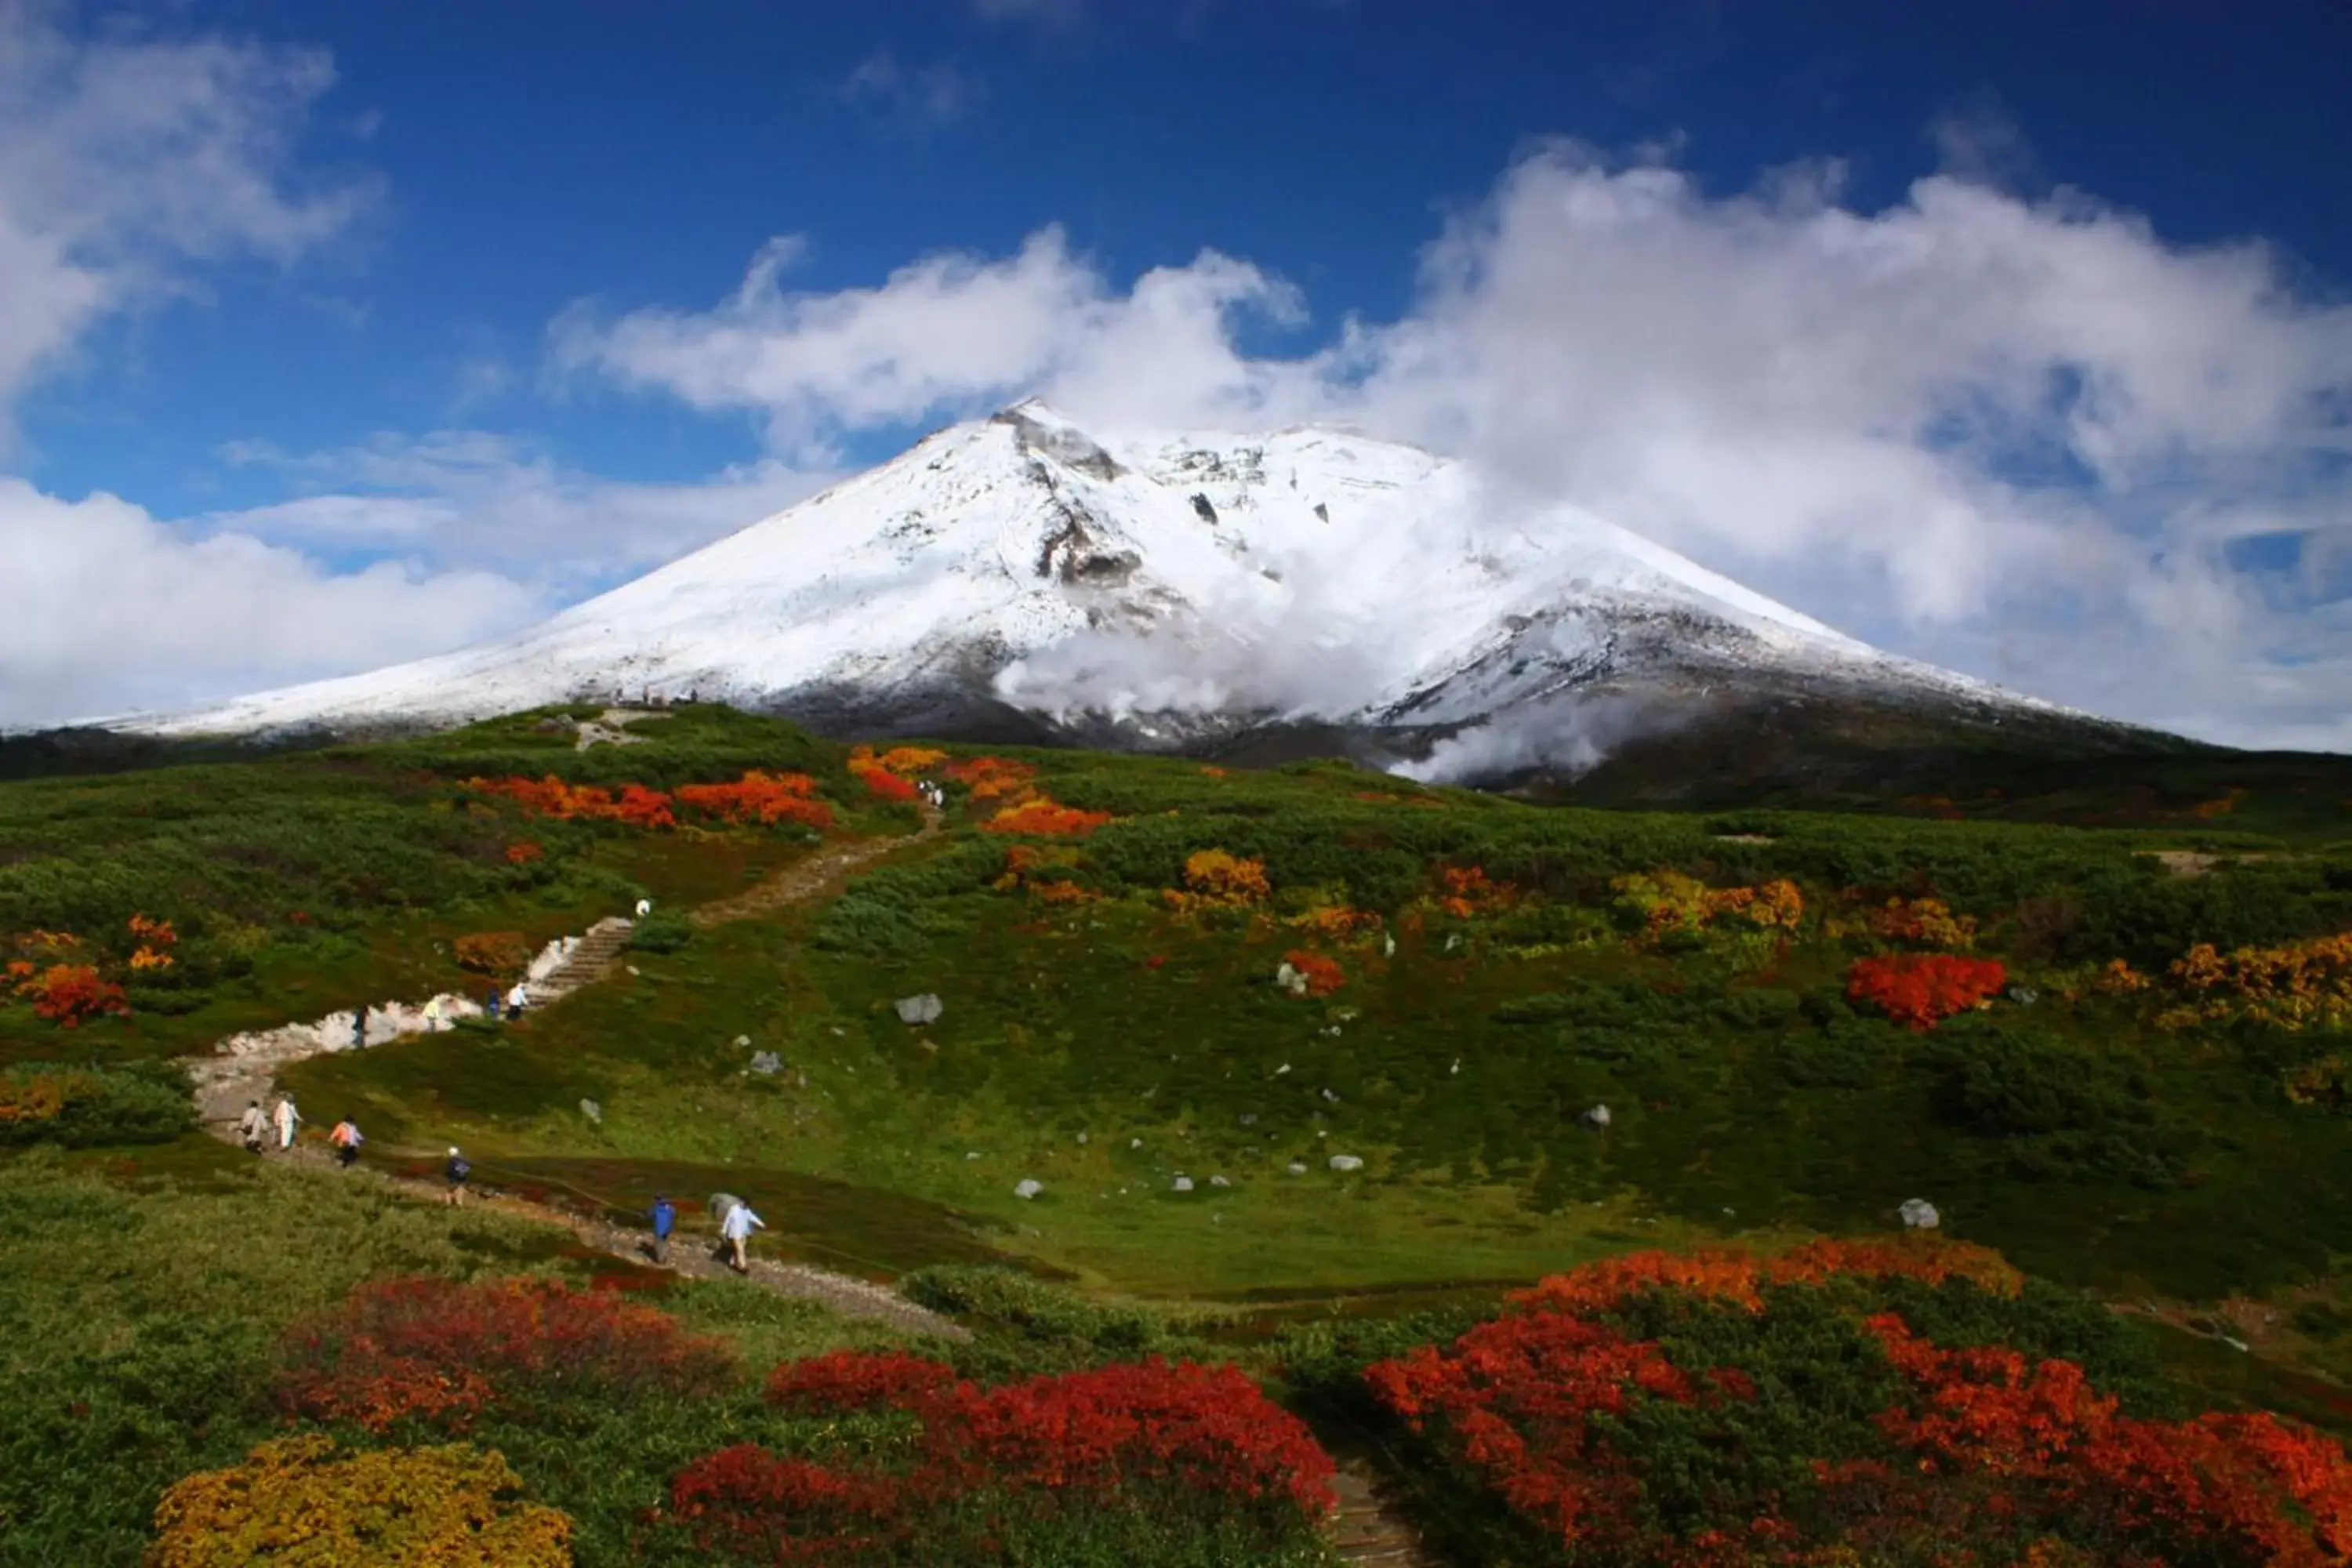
pixel 253 1126
pixel 288 1119
pixel 736 1230
pixel 516 998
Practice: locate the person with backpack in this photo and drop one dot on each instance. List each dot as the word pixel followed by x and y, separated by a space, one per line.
pixel 347 1140
pixel 456 1171
pixel 252 1126
pixel 359 1027
pixel 665 1218
pixel 490 1003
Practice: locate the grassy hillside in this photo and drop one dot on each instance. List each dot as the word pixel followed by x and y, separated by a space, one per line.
pixel 2116 1054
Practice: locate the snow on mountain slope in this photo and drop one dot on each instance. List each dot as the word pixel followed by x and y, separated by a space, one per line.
pixel 1165 586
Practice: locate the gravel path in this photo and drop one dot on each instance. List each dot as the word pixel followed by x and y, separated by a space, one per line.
pixel 223 1086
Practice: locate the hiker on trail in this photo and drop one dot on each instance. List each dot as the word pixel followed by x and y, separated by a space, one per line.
pixel 490 1003
pixel 252 1126
pixel 517 997
pixel 359 1026
pixel 456 1171
pixel 644 907
pixel 432 1016
pixel 665 1221
pixel 347 1140
pixel 288 1119
pixel 736 1231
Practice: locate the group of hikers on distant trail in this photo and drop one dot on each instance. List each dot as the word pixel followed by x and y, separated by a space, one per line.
pixel 256 1126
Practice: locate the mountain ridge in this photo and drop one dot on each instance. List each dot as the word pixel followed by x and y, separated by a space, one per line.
pixel 1019 576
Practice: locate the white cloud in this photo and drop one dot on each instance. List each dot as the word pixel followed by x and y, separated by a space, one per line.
pixel 944 333
pixel 462 499
pixel 110 610
pixel 912 98
pixel 120 159
pixel 2021 433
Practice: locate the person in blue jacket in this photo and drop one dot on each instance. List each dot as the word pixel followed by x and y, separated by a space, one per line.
pixel 665 1221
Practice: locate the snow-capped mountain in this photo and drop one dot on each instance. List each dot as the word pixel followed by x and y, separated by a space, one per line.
pixel 1158 590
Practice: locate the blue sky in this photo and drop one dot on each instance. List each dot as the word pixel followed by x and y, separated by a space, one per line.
pixel 395 326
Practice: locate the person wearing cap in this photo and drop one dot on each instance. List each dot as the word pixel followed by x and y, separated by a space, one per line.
pixel 457 1170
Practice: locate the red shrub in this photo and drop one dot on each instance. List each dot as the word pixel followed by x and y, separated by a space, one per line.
pixel 1921 989
pixel 1324 975
pixel 856 1380
pixel 67 993
pixel 439 1348
pixel 882 783
pixel 1209 1431
pixel 523 852
pixel 745 1501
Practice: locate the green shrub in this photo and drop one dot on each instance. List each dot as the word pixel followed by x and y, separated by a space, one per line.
pixel 664 931
pixel 78 1108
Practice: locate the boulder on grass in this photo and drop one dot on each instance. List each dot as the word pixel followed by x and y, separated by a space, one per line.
pixel 923 1009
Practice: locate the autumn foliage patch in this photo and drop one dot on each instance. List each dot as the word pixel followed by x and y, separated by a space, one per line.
pixel 1044 816
pixel 442 1352
pixel 1919 990
pixel 761 797
pixel 1200 1444
pixel 1215 878
pixel 1323 975
pixel 302 1499
pixel 1717 1409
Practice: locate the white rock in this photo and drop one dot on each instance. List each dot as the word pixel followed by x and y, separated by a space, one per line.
pixel 974 1154
pixel 1182 1183
pixel 1296 1167
pixel 1082 1137
pixel 1346 1163
pixel 923 1009
pixel 1598 1117
pixel 1918 1213
pixel 742 1042
pixel 1028 1187
pixel 591 1111
pixel 1219 1182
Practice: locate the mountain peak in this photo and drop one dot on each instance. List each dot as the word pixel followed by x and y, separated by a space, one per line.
pixel 1157 589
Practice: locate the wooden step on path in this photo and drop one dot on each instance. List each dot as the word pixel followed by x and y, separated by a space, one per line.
pixel 1368 1529
pixel 599 951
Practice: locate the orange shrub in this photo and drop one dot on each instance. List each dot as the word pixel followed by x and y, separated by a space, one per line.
pixel 153 934
pixel 1044 816
pixel 1468 891
pixel 906 761
pixel 301 1499
pixel 147 958
pixel 550 796
pixel 1336 922
pixel 757 796
pixel 523 852
pixel 991 778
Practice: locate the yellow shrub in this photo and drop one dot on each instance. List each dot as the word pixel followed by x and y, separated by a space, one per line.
pixel 2301 984
pixel 1214 876
pixel 301 1502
